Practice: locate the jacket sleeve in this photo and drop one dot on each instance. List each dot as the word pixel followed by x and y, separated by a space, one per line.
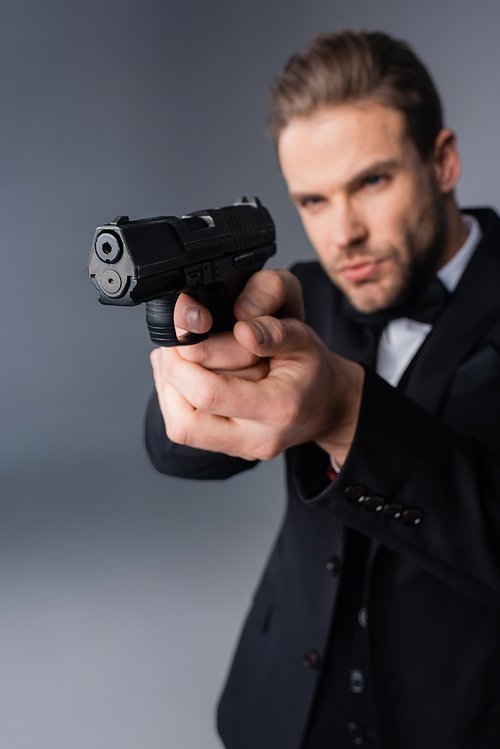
pixel 182 461
pixel 419 486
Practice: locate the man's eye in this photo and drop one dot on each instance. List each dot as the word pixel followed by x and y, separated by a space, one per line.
pixel 311 201
pixel 373 179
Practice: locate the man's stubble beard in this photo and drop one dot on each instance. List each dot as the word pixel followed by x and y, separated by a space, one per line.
pixel 425 245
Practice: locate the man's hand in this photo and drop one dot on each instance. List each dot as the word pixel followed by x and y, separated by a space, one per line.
pixel 268 385
pixel 266 293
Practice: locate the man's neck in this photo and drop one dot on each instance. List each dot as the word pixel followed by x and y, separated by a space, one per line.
pixel 457 232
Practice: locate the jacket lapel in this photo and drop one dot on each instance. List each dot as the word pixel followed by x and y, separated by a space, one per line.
pixel 473 309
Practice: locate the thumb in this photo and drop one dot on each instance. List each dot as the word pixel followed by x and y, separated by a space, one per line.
pixel 269 336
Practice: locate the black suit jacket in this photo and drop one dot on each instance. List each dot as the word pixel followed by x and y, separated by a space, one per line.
pixel 433 588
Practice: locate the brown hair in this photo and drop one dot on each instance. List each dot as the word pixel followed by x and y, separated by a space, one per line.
pixel 338 68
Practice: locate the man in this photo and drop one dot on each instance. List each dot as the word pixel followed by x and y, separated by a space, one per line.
pixel 377 622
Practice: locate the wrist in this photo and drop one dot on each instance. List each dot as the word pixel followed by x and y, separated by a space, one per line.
pixel 337 439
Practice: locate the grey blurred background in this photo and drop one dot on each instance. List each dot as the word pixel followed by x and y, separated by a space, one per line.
pixel 122 591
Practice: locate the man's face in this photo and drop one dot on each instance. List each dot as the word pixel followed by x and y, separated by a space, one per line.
pixel 370 206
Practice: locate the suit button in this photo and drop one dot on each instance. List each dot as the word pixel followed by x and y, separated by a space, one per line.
pixel 356 681
pixel 374 503
pixel 356 734
pixel 363 617
pixel 333 565
pixel 311 659
pixel 392 511
pixel 412 517
pixel 355 493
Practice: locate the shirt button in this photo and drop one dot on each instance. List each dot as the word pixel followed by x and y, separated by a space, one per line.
pixel 412 517
pixel 355 493
pixel 392 511
pixel 311 659
pixel 356 733
pixel 356 681
pixel 333 565
pixel 363 617
pixel 373 503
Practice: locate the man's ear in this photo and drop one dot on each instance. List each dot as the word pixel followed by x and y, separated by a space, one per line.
pixel 446 161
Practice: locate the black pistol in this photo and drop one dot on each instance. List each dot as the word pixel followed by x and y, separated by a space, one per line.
pixel 208 254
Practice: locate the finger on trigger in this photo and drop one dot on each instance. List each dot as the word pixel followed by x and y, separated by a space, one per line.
pixel 190 315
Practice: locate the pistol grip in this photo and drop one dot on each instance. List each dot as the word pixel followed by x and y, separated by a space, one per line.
pixel 160 320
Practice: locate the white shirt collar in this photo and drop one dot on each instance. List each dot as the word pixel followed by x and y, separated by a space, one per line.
pixel 402 338
pixel 451 273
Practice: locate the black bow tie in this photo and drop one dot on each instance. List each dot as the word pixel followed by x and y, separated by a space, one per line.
pixel 425 305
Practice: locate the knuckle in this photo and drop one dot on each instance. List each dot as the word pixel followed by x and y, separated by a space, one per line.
pixel 287 416
pixel 271 278
pixel 205 398
pixel 264 277
pixel 269 448
pixel 176 432
pixel 273 285
pixel 276 330
pixel 269 286
pixel 284 412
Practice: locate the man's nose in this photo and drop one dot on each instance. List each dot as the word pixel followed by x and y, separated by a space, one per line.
pixel 348 228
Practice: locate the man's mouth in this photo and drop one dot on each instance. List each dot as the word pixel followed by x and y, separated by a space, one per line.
pixel 362 270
